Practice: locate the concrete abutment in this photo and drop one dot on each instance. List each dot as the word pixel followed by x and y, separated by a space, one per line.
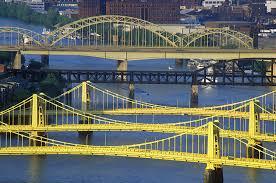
pixel 213 175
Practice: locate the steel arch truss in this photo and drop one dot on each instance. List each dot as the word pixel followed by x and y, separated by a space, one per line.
pixel 217 37
pixel 113 30
pixel 122 31
pixel 14 36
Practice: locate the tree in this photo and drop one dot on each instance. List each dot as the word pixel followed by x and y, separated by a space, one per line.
pixel 23 12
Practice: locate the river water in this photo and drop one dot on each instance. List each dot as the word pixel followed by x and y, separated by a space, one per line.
pixel 84 169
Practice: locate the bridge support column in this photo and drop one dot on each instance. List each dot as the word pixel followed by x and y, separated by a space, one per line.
pixel 85 101
pixel 179 62
pixel 45 60
pixel 122 65
pixel 131 94
pixel 194 96
pixel 38 120
pixel 17 63
pixel 254 147
pixel 213 173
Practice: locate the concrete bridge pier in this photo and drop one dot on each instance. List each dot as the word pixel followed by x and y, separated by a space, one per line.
pixel 254 150
pixel 131 94
pixel 45 60
pixel 179 63
pixel 36 141
pixel 194 96
pixel 214 175
pixel 85 136
pixel 194 92
pixel 121 65
pixel 17 62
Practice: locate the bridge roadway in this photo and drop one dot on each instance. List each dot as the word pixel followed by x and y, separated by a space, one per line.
pixel 135 127
pixel 183 111
pixel 138 53
pixel 139 153
pixel 166 111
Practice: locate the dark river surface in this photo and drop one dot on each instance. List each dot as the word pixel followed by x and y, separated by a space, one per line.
pixel 84 169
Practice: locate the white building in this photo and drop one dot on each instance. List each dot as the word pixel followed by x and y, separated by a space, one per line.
pixel 212 3
pixel 37 5
pixel 270 4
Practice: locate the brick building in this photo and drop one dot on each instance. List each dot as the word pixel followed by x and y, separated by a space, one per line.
pixel 157 11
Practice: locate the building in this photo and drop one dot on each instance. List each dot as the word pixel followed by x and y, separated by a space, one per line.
pixel 190 4
pixel 240 26
pixel 212 3
pixel 157 11
pixel 227 12
pixel 37 5
pixel 69 8
pixel 258 9
pixel 271 6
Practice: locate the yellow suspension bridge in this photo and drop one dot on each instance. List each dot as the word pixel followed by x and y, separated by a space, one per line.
pixel 228 135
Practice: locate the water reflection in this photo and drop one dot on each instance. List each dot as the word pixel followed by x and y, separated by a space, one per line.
pixel 36 168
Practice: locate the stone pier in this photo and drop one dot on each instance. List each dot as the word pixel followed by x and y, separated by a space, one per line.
pixel 194 96
pixel 179 62
pixel 17 63
pixel 131 94
pixel 45 60
pixel 213 175
pixel 122 65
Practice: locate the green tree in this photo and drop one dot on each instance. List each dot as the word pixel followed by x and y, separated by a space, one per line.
pixel 52 85
pixel 23 12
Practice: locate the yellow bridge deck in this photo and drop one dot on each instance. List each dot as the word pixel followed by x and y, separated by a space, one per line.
pixel 183 111
pixel 138 153
pixel 158 128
